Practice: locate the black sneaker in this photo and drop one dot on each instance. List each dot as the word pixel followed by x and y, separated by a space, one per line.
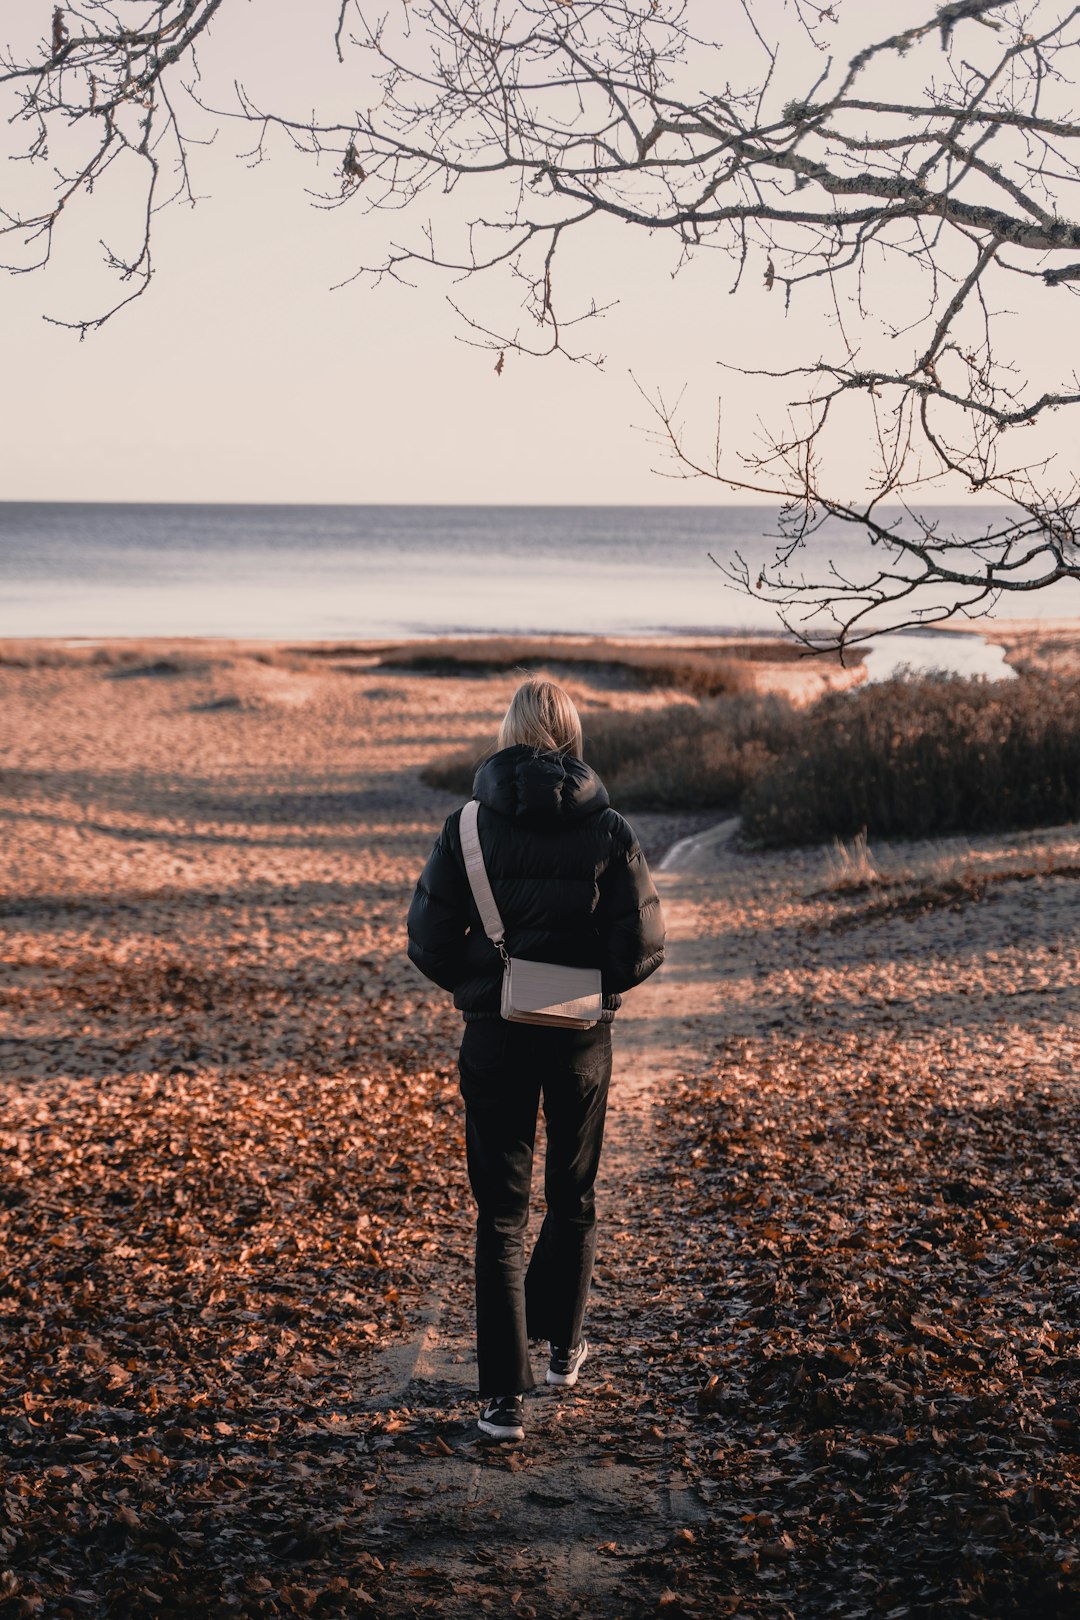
pixel 504 1417
pixel 566 1364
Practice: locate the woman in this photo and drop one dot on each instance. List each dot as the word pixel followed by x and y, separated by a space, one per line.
pixel 572 886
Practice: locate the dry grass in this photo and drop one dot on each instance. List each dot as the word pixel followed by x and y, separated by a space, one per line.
pixel 706 671
pixel 852 867
pixel 911 880
pixel 923 758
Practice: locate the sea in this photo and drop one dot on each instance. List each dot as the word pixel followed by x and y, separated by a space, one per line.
pixel 89 571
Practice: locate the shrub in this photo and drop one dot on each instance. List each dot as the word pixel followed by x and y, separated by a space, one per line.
pixel 915 758
pixel 907 758
pixel 686 756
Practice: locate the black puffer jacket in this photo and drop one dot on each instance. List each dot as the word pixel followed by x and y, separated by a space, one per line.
pixel 568 876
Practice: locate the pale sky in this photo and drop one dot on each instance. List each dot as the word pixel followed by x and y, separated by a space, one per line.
pixel 241 376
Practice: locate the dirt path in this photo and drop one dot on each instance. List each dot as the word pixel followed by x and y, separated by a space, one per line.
pixel 553 1527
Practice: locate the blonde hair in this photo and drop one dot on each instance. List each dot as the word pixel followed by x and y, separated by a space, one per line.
pixel 541 715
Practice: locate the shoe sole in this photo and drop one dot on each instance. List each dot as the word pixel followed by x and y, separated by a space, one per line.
pixel 568 1380
pixel 498 1431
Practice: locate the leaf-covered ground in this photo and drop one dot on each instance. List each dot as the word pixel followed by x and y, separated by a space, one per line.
pixel 836 1319
pixel 889 1419
pixel 879 1195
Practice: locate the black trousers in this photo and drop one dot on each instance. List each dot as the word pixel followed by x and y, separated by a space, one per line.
pixel 505 1069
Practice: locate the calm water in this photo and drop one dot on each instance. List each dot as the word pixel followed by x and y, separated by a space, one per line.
pixel 368 572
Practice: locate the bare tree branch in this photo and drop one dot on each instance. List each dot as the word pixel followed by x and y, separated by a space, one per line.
pixel 949 149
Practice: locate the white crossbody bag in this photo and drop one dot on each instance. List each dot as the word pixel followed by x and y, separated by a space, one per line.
pixel 532 992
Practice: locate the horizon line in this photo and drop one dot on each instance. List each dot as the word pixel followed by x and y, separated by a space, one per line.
pixel 491 506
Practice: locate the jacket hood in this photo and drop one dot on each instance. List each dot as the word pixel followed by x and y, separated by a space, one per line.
pixel 519 781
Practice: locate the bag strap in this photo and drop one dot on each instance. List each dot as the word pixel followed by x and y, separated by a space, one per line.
pixel 476 872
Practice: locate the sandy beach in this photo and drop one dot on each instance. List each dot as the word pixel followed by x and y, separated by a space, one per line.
pixel 236 1232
